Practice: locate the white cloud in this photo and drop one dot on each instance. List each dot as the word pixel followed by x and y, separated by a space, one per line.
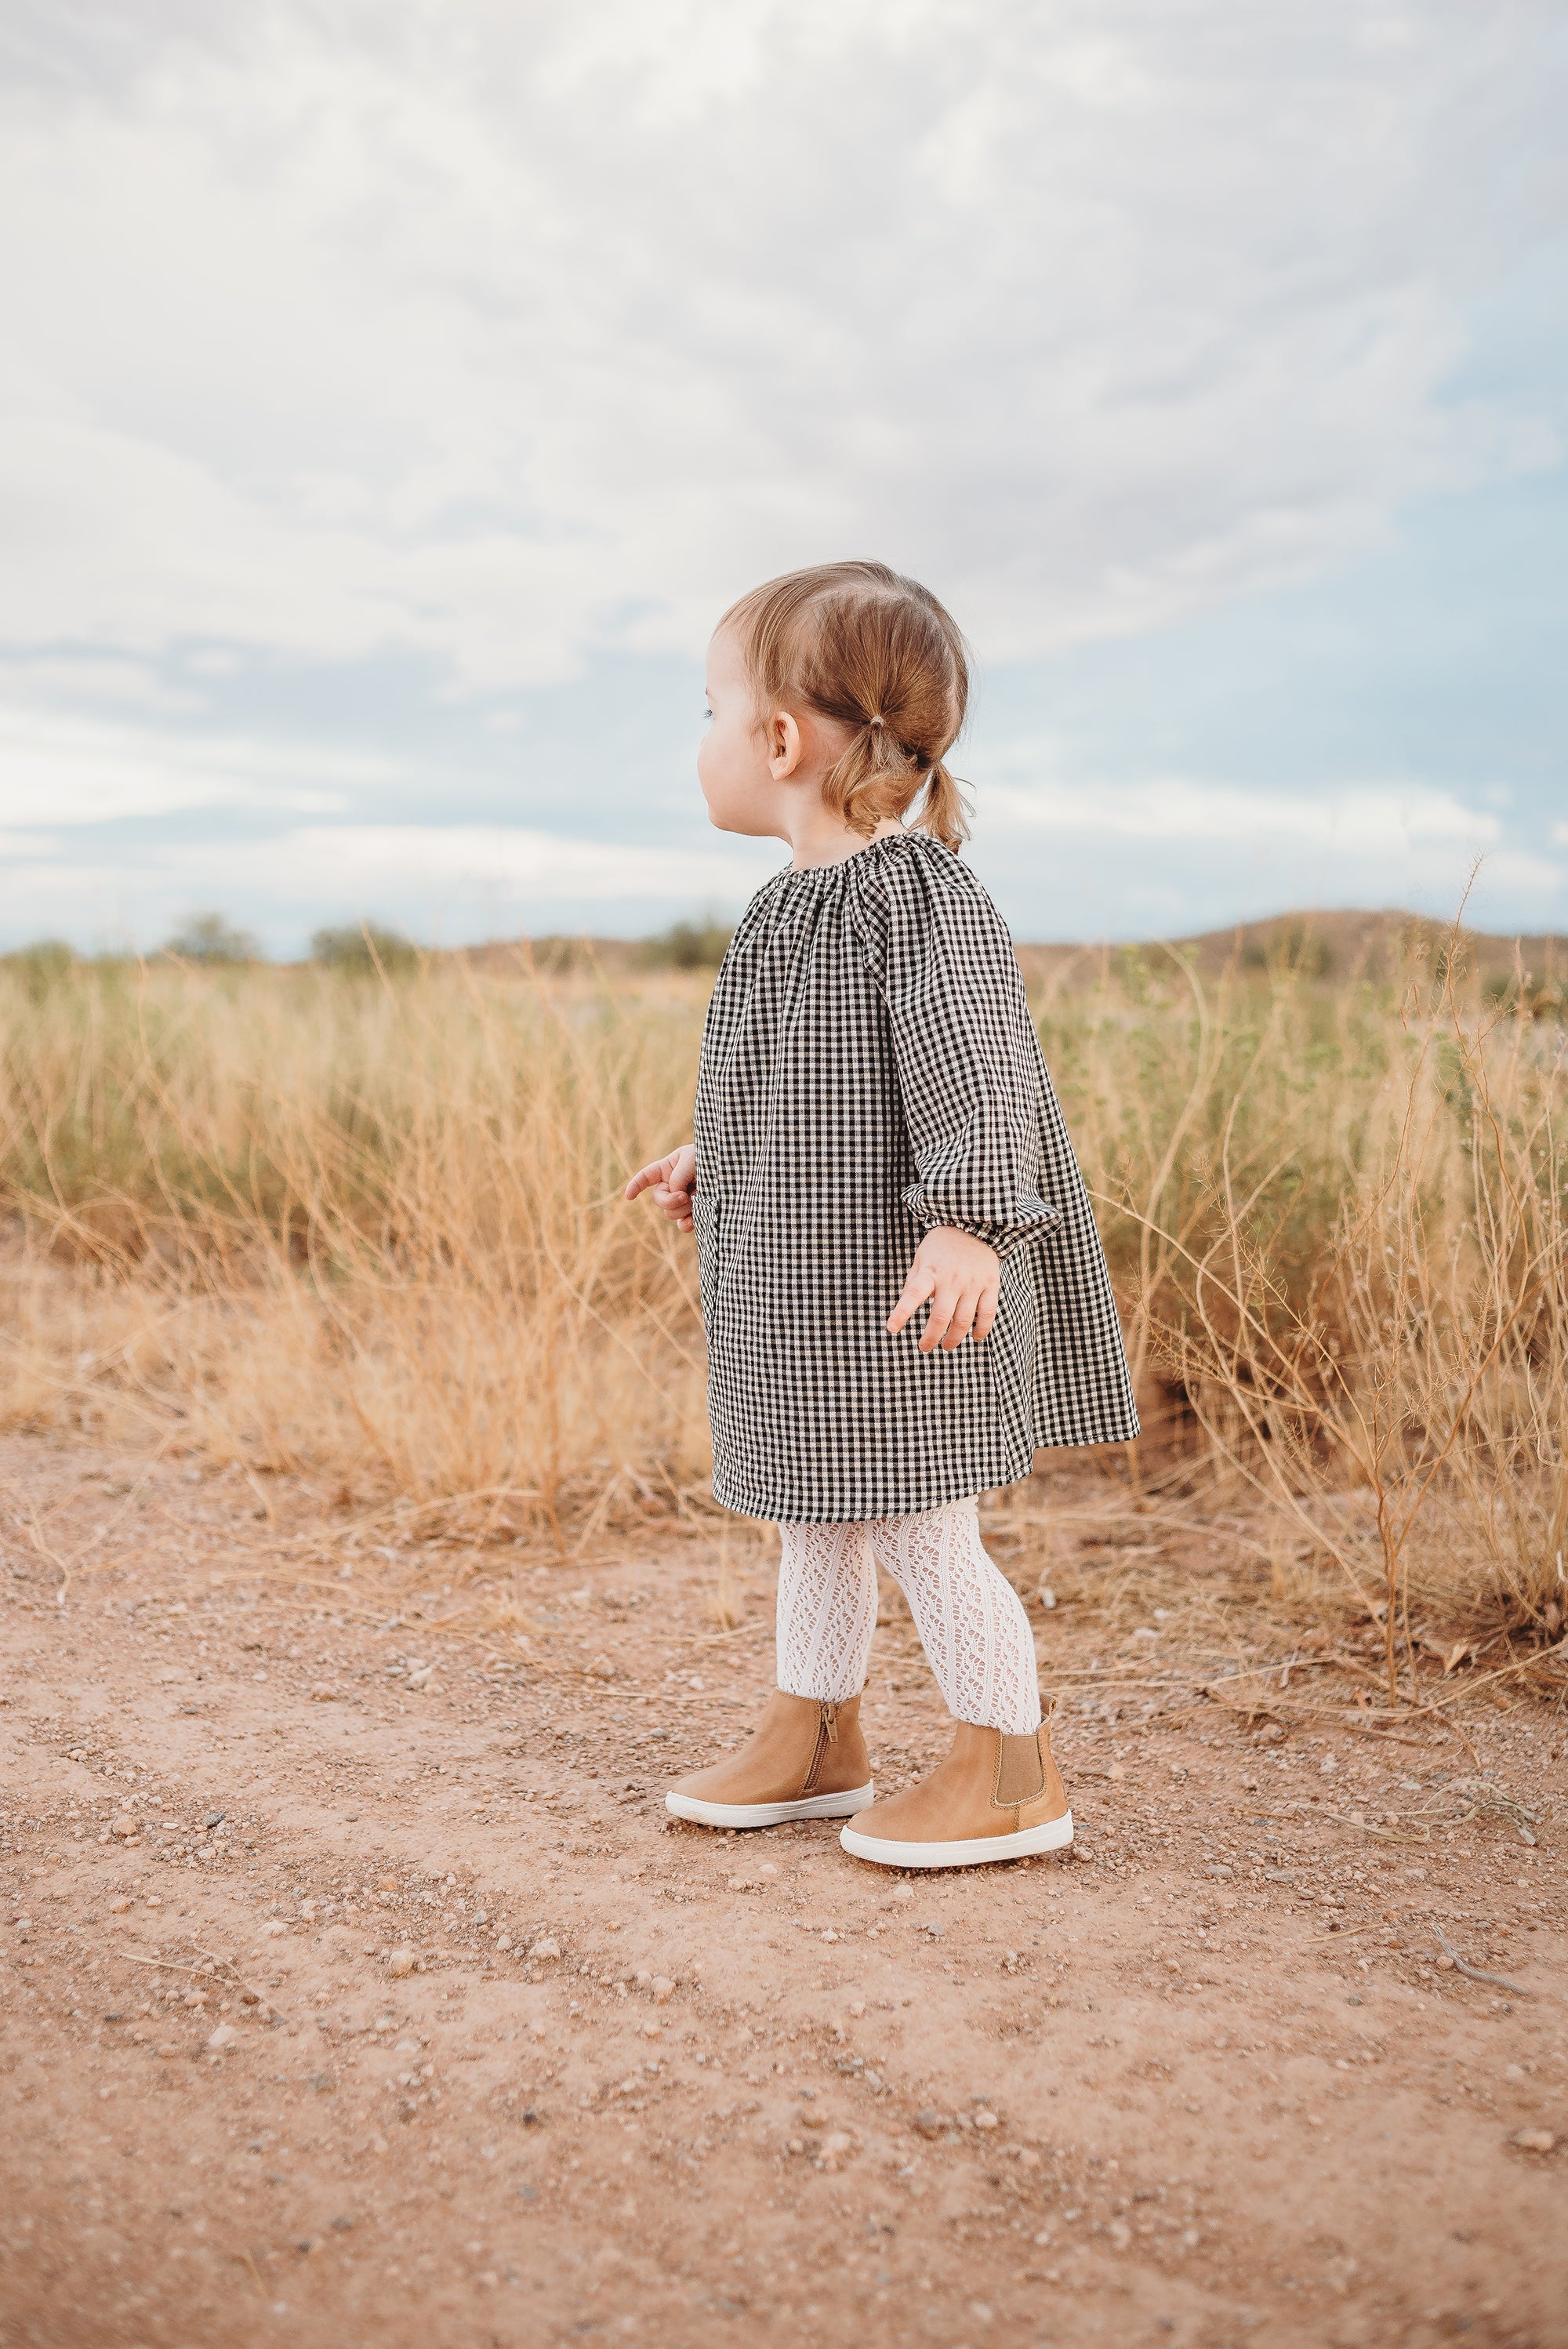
pixel 1508 874
pixel 1092 859
pixel 441 883
pixel 502 335
pixel 57 769
pixel 364 863
pixel 1367 821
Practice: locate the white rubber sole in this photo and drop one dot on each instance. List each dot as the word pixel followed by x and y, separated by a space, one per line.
pixel 771 1815
pixel 979 1851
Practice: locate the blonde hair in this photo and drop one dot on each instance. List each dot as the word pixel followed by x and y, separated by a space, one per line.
pixel 859 644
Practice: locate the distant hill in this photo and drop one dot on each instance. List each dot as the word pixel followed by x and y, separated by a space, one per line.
pixel 1333 946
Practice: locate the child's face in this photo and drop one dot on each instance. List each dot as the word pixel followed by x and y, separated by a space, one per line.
pixel 733 763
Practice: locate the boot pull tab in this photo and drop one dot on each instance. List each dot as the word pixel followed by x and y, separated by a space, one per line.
pixel 828 1714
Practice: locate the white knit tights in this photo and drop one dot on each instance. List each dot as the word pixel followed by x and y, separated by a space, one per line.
pixel 969 1616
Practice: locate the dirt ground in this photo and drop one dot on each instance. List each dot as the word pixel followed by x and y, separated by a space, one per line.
pixel 356 1990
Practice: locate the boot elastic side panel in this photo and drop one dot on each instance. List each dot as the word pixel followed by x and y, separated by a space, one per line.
pixel 1020 1770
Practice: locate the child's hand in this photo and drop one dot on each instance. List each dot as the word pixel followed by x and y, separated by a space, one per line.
pixel 961 1277
pixel 671 1180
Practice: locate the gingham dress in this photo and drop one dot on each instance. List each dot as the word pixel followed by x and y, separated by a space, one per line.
pixel 870 1068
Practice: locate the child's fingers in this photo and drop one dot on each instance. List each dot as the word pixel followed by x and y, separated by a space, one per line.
pixel 917 1289
pixel 963 1321
pixel 677 1169
pixel 990 1296
pixel 945 1303
pixel 960 1317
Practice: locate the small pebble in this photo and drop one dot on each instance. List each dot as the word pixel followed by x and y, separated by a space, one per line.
pixel 401 1961
pixel 120 1906
pixel 985 2120
pixel 386 1884
pixel 224 2036
pixel 663 1989
pixel 125 1824
pixel 1535 2141
pixel 930 2123
pixel 545 1948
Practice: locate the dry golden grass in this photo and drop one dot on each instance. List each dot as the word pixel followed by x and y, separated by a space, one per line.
pixel 371 1230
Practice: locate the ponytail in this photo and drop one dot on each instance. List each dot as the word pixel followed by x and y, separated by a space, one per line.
pixel 879 780
pixel 944 811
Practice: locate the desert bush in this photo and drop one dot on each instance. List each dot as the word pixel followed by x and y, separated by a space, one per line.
pixel 364 950
pixel 1349 1215
pixel 211 938
pixel 688 946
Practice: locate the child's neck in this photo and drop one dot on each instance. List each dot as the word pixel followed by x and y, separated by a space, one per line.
pixel 816 836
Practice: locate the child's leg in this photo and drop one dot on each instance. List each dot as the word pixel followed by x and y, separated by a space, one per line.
pixel 970 1619
pixel 998 1794
pixel 827 1611
pixel 806 1758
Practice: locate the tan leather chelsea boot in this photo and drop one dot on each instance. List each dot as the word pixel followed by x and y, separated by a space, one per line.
pixel 994 1797
pixel 804 1759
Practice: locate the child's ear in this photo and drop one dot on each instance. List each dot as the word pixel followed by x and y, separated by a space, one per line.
pixel 783 745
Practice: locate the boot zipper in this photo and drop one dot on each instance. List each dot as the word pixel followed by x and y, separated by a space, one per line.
pixel 827 1734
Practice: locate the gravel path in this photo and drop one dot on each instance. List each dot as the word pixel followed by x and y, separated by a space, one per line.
pixel 354 1988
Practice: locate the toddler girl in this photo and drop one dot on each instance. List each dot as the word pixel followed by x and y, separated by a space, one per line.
pixel 876 1140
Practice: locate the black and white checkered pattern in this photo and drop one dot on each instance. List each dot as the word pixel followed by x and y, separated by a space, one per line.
pixel 870 1068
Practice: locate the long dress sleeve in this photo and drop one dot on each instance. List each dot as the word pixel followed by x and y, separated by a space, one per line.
pixel 967 1059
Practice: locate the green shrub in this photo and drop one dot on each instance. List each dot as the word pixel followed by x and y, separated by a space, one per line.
pixel 212 939
pixel 362 948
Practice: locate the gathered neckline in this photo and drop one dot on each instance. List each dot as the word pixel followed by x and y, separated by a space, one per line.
pixel 793 874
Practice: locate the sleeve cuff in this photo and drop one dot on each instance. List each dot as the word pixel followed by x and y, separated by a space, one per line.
pixel 1035 1220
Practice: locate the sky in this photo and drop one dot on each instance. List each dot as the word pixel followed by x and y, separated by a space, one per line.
pixel 395 391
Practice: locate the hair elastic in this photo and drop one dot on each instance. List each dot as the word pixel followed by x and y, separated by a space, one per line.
pixel 877 721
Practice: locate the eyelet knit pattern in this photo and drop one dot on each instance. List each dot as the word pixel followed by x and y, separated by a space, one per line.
pixel 971 1621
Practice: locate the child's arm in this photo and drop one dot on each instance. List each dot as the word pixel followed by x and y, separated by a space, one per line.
pixel 968 1073
pixel 671 1180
